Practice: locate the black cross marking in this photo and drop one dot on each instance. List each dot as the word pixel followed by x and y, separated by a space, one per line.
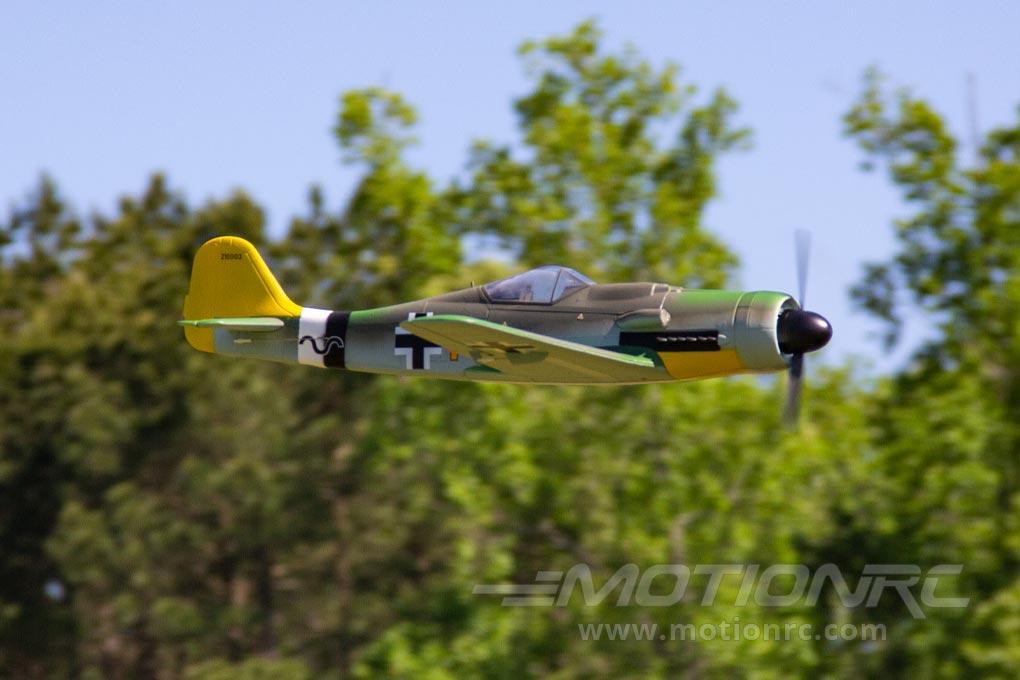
pixel 403 339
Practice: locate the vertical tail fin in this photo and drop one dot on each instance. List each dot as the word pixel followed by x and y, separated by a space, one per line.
pixel 230 279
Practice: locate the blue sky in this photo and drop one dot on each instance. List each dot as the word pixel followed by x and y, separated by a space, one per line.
pixel 243 94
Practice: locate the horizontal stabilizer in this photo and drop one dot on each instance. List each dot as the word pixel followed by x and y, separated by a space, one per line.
pixel 251 324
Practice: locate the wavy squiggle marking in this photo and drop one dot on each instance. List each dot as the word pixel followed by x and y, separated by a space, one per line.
pixel 330 343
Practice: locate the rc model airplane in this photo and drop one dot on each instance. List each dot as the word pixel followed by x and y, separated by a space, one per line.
pixel 550 325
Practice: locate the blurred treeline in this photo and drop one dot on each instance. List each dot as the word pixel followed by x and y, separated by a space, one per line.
pixel 169 514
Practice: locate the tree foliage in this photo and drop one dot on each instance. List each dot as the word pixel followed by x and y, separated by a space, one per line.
pixel 613 169
pixel 948 425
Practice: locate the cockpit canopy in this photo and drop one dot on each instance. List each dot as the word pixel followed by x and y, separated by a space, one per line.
pixel 543 285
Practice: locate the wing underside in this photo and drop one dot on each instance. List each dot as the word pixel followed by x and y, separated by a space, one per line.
pixel 523 356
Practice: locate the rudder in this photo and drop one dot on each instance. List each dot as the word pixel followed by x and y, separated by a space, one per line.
pixel 230 279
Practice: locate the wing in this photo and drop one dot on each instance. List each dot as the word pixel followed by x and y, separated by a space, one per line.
pixel 523 356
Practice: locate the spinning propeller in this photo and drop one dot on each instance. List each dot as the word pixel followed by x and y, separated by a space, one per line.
pixel 800 331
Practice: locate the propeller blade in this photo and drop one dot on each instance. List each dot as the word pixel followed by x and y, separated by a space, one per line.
pixel 802 250
pixel 802 244
pixel 791 412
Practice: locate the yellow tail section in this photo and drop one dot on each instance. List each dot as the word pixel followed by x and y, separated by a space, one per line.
pixel 230 279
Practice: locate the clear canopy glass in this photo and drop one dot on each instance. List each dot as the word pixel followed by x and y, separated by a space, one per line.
pixel 543 285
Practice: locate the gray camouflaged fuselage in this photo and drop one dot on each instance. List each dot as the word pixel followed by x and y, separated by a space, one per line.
pixel 684 333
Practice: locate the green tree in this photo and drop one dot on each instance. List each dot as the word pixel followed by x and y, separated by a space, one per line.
pixel 33 399
pixel 946 434
pixel 390 238
pixel 613 169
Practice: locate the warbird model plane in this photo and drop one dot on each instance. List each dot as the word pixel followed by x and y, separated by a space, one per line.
pixel 547 325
